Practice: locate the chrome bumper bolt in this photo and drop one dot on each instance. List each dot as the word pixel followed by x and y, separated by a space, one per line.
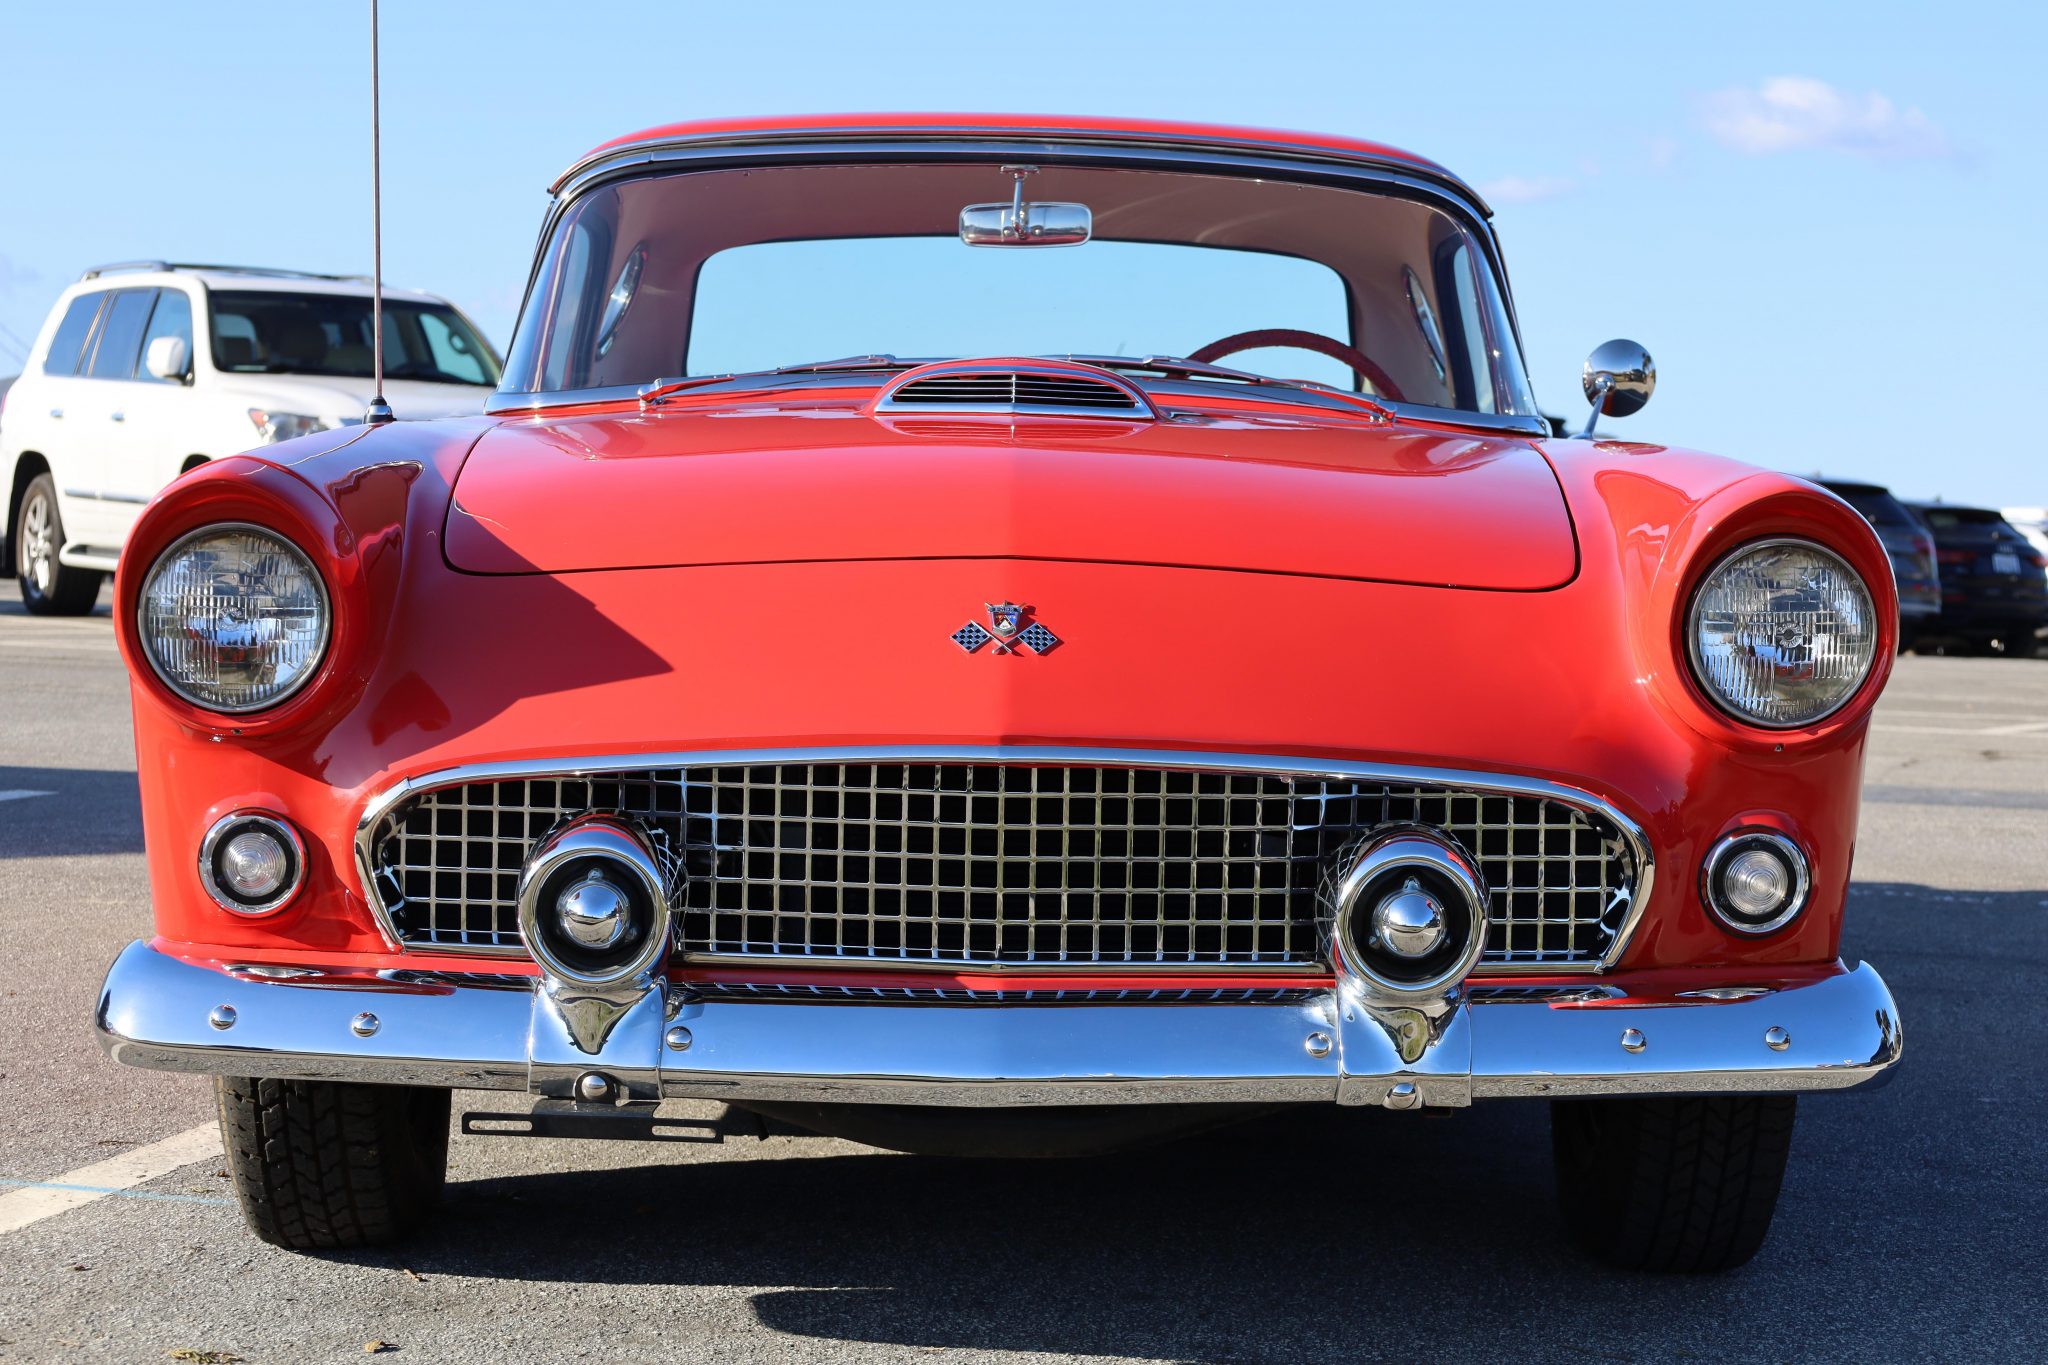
pixel 593 1087
pixel 222 1017
pixel 678 1039
pixel 1403 1095
pixel 364 1024
pixel 1318 1045
pixel 1632 1040
pixel 1776 1039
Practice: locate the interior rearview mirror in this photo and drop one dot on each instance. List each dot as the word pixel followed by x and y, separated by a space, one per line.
pixel 1024 222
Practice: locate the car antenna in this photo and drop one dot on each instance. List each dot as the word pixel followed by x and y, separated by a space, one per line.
pixel 379 411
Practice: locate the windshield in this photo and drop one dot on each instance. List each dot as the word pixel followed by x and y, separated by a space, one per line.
pixel 272 332
pixel 714 272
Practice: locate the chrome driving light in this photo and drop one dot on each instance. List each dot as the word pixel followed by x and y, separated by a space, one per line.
pixel 1756 882
pixel 1408 912
pixel 233 618
pixel 594 901
pixel 1782 633
pixel 251 863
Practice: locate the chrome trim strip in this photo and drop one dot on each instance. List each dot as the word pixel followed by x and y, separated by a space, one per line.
pixel 1023 754
pixel 848 145
pixel 154 1012
pixel 138 499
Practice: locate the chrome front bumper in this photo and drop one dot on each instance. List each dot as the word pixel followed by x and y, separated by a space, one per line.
pixel 497 1033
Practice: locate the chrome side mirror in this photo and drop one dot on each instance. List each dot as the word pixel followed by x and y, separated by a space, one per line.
pixel 1619 378
pixel 1022 222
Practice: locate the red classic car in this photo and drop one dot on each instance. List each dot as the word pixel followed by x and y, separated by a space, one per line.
pixel 1024 734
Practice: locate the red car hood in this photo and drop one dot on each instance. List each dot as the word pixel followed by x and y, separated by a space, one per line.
pixel 1269 493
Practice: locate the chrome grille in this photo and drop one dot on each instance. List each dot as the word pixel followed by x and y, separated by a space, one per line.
pixel 997 390
pixel 1003 864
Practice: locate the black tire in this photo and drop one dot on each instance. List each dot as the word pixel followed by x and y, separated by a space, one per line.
pixel 322 1166
pixel 47 587
pixel 1675 1183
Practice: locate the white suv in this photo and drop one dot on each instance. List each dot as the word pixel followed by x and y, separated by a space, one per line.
pixel 149 368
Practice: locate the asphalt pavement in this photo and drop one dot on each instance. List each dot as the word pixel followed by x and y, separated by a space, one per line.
pixel 1910 1226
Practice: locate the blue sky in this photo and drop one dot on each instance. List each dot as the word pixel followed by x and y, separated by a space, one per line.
pixel 1822 220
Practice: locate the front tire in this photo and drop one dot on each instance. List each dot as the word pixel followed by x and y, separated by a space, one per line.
pixel 48 588
pixel 1674 1183
pixel 323 1166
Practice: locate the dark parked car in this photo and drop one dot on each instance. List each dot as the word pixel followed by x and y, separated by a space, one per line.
pixel 1994 583
pixel 1910 546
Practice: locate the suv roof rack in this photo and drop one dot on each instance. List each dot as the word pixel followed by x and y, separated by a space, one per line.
pixel 264 270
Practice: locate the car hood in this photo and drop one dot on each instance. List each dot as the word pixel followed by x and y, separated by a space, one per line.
pixel 336 399
pixel 1337 498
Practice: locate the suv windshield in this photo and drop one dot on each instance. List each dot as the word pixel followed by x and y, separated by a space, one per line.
pixel 1877 505
pixel 710 272
pixel 273 332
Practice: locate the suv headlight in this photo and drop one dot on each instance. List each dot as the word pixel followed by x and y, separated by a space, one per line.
pixel 233 618
pixel 1782 633
pixel 272 427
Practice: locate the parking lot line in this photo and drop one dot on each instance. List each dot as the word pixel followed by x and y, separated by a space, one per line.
pixel 32 1203
pixel 2037 730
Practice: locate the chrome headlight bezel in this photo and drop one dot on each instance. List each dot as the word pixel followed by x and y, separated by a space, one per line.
pixel 315 657
pixel 1702 677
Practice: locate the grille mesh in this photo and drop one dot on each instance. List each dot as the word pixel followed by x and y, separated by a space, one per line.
pixel 987 864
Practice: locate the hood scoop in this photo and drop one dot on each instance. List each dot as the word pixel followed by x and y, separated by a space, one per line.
pixel 1028 388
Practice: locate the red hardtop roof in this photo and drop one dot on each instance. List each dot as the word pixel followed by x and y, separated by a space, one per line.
pixel 1051 125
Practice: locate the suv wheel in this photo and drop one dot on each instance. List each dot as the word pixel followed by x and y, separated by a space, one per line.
pixel 1676 1183
pixel 47 587
pixel 323 1166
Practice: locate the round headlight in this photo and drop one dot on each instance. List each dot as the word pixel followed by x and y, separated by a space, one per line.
pixel 1782 633
pixel 233 618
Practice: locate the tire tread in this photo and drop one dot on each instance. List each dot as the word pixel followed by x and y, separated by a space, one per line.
pixel 321 1166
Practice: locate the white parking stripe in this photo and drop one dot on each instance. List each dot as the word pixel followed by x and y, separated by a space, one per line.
pixel 2006 731
pixel 22 1207
pixel 21 794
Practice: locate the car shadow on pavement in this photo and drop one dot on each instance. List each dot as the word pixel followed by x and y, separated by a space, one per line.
pixel 1325 1234
pixel 73 811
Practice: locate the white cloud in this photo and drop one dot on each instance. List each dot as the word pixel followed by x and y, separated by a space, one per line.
pixel 1526 189
pixel 1792 113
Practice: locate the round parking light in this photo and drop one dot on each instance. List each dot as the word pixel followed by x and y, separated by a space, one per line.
pixel 1756 882
pixel 251 863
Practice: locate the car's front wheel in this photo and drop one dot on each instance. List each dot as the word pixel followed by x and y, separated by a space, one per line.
pixel 48 588
pixel 1679 1183
pixel 323 1166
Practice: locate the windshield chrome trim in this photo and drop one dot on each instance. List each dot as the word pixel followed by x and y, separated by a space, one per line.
pixel 534 404
pixel 653 147
pixel 1440 188
pixel 1058 755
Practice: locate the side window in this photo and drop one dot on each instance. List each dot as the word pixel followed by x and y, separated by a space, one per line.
pixel 69 341
pixel 114 354
pixel 172 318
pixel 451 352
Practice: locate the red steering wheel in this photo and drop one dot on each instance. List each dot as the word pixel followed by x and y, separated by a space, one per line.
pixel 1303 341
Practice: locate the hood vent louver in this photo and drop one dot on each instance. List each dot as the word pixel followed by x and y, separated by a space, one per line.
pixel 1024 388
